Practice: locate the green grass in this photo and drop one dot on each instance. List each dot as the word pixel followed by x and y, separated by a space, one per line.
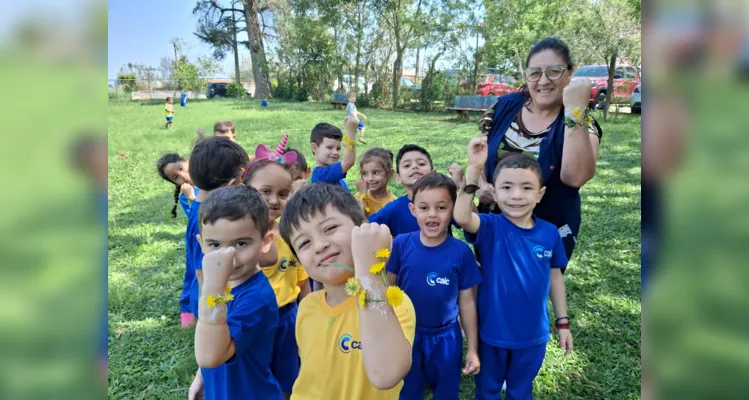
pixel 150 356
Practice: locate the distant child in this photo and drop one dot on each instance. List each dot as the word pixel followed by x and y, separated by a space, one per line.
pixel 238 313
pixel 183 99
pixel 175 170
pixel 300 170
pixel 325 141
pixel 438 273
pixel 290 282
pixel 411 163
pixel 352 112
pixel 376 166
pixel 169 109
pixel 352 347
pixel 521 256
pixel 264 103
pixel 225 129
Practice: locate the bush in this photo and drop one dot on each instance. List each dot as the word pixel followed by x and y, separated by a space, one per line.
pixel 285 90
pixel 363 101
pixel 302 94
pixel 127 82
pixel 234 89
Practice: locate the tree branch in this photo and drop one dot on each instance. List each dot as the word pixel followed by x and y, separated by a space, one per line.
pixel 223 9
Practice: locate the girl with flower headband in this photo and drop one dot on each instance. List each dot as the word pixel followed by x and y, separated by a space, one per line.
pixel 269 173
pixel 175 170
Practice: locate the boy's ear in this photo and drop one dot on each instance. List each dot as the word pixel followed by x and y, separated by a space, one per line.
pixel 267 242
pixel 392 172
pixel 412 208
pixel 200 240
pixel 434 170
pixel 313 146
pixel 307 172
pixel 398 179
pixel 541 194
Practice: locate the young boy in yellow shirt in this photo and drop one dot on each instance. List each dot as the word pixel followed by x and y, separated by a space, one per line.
pixel 351 347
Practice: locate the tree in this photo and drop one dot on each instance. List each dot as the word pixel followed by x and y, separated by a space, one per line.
pixel 611 28
pixel 401 17
pixel 208 67
pixel 127 81
pixel 220 30
pixel 187 76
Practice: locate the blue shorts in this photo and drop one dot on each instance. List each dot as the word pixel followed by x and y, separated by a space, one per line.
pixel 517 367
pixel 169 119
pixel 436 358
pixel 285 362
pixel 361 125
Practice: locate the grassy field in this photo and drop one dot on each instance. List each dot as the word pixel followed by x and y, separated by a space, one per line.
pixel 150 356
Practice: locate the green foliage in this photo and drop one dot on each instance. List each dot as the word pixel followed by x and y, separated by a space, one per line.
pixel 150 356
pixel 302 94
pixel 234 89
pixel 285 90
pixel 127 81
pixel 187 76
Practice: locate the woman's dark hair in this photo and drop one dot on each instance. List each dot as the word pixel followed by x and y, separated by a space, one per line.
pixel 161 164
pixel 550 43
pixel 383 156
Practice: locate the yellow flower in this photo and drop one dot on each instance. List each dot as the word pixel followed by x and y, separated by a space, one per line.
pixel 353 287
pixel 377 267
pixel 367 209
pixel 364 197
pixel 362 298
pixel 576 112
pixel 394 296
pixel 211 301
pixel 383 253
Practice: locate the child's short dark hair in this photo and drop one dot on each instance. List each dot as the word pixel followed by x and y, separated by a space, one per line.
pixel 521 161
pixel 435 180
pixel 325 130
pixel 168 98
pixel 313 199
pixel 234 203
pixel 301 162
pixel 407 149
pixel 383 156
pixel 223 127
pixel 259 165
pixel 215 161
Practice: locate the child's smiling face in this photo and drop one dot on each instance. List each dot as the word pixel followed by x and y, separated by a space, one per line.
pixel 375 176
pixel 178 172
pixel 274 184
pixel 433 209
pixel 324 238
pixel 517 191
pixel 413 165
pixel 328 152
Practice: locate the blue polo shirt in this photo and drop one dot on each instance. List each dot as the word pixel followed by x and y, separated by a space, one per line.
pixel 194 256
pixel 252 318
pixel 432 277
pixel 185 202
pixel 516 264
pixel 330 174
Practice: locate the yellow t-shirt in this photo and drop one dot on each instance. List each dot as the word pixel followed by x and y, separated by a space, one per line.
pixel 372 205
pixel 169 109
pixel 330 350
pixel 283 276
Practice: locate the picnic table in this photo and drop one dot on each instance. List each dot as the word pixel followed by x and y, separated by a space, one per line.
pixel 339 101
pixel 464 104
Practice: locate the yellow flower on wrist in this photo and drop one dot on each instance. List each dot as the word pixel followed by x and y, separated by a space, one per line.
pixel 229 296
pixel 383 253
pixel 377 267
pixel 362 298
pixel 394 296
pixel 211 301
pixel 576 112
pixel 353 287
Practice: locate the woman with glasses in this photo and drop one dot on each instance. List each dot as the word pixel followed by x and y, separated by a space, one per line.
pixel 547 119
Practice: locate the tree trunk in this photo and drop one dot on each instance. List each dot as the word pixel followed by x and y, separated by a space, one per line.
pixel 359 35
pixel 257 50
pixel 426 84
pixel 418 53
pixel 476 66
pixel 366 78
pixel 397 71
pixel 236 52
pixel 610 87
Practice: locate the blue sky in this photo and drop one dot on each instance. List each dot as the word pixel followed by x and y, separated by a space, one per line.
pixel 140 30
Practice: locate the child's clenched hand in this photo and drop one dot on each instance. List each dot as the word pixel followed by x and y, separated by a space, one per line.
pixel 478 151
pixel 217 267
pixel 365 241
pixel 473 365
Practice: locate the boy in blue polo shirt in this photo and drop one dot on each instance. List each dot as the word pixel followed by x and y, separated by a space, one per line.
pixel 325 141
pixel 411 163
pixel 438 272
pixel 520 257
pixel 238 312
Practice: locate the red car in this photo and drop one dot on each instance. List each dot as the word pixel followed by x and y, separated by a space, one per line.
pixel 497 85
pixel 626 79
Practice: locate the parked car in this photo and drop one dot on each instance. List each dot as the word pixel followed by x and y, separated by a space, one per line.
pixel 497 85
pixel 626 79
pixel 635 102
pixel 216 89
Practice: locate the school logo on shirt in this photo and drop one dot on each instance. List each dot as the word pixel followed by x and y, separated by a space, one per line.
pixel 345 343
pixel 286 263
pixel 433 279
pixel 541 253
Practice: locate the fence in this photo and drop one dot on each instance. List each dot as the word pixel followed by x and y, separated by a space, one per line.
pixel 125 90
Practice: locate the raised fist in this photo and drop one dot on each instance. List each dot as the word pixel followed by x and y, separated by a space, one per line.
pixel 365 241
pixel 478 151
pixel 577 94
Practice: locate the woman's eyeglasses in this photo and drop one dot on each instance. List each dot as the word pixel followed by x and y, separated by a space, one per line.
pixel 554 72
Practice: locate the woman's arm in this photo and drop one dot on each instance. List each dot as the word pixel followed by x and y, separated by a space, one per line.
pixel 579 156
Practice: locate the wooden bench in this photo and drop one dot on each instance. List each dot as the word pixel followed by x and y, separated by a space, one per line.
pixel 339 101
pixel 465 104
